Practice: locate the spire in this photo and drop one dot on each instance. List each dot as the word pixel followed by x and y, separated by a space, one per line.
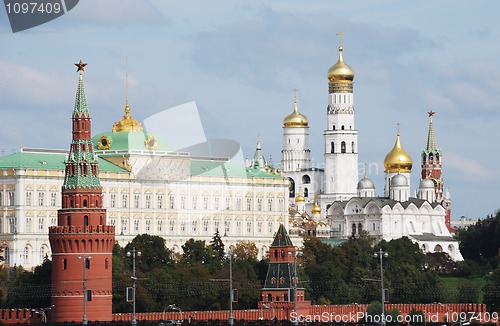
pixel 281 239
pixel 82 164
pixel 80 102
pixel 128 123
pixel 258 157
pixel 431 139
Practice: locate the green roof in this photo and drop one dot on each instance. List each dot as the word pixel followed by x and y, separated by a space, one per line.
pixel 47 160
pixel 281 239
pixel 226 169
pixel 130 141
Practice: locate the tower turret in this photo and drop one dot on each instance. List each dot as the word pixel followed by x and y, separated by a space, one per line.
pixel 81 242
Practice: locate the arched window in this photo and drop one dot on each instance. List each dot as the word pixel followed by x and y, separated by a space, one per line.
pixel 85 203
pixel 64 264
pixel 68 220
pixel 353 228
pixel 269 297
pixel 431 157
pixel 306 179
pixel 333 127
pixel 291 189
pixel 282 253
pixel 438 248
pixel 306 192
pixel 332 147
pixel 360 227
pixel 71 203
pixel 286 297
pixel 352 148
pixel 275 253
pixel 342 147
pixel 86 220
pixel 6 255
pixel 342 128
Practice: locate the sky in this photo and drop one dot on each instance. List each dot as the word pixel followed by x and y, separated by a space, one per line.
pixel 240 60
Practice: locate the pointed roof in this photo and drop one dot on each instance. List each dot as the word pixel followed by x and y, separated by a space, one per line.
pixel 281 239
pixel 258 157
pixel 431 138
pixel 81 107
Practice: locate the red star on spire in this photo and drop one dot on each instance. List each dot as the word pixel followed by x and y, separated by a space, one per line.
pixel 80 66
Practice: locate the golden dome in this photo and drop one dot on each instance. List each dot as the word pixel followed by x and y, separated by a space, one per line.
pixel 300 199
pixel 398 160
pixel 340 72
pixel 127 124
pixel 316 209
pixel 296 119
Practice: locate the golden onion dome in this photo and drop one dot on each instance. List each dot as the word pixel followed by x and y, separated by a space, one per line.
pixel 340 72
pixel 127 124
pixel 316 209
pixel 300 199
pixel 296 119
pixel 398 160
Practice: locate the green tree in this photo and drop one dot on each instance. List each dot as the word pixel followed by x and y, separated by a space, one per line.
pixel 217 245
pixel 491 290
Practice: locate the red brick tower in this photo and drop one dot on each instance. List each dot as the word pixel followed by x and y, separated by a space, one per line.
pixel 282 277
pixel 432 169
pixel 81 242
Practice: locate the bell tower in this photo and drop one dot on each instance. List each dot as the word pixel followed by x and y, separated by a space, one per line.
pixel 81 243
pixel 341 136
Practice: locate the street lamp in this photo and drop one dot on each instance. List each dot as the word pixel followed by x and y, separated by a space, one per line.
pixel 134 253
pixel 86 264
pixel 231 256
pixel 381 254
pixel 174 307
pixel 295 253
pixel 43 312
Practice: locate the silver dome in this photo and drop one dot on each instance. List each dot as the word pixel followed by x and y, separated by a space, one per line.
pixel 426 184
pixel 399 180
pixel 365 183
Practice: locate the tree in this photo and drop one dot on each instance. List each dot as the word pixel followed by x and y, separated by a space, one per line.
pixel 217 245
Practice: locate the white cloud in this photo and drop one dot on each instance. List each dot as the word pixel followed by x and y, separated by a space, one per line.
pixel 470 170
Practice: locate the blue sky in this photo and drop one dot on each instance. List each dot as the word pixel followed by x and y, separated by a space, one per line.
pixel 240 60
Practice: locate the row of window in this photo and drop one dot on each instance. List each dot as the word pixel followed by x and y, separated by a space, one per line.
pixel 193 227
pixel 195 205
pixel 343 148
pixel 26 254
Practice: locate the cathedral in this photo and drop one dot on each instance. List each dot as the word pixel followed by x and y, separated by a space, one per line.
pixel 330 203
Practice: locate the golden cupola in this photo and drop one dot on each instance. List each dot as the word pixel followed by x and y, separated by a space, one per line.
pixel 296 119
pixel 127 124
pixel 340 72
pixel 398 160
pixel 316 209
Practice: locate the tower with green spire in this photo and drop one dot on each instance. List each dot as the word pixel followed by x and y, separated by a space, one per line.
pixel 81 243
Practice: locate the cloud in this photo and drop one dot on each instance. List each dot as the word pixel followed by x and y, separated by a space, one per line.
pixel 120 13
pixel 470 170
pixel 260 50
pixel 24 84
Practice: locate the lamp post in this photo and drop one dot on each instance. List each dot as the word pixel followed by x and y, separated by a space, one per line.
pixel 174 307
pixel 134 253
pixel 86 263
pixel 231 256
pixel 381 254
pixel 43 312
